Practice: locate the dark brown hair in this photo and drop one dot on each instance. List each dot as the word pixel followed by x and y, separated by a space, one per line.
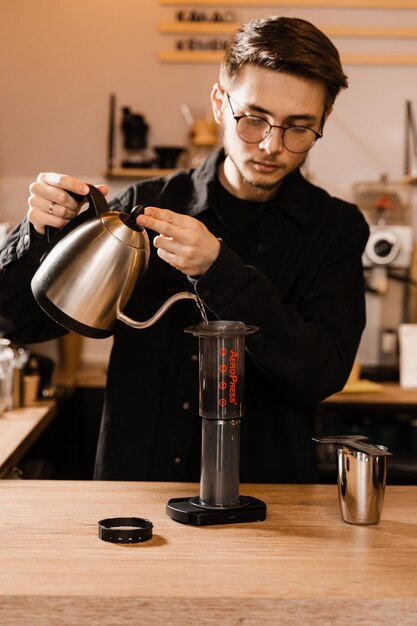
pixel 290 45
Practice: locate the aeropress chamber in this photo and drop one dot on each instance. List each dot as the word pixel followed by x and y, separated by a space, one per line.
pixel 221 406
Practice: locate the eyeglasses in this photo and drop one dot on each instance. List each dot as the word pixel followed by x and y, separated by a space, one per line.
pixel 254 129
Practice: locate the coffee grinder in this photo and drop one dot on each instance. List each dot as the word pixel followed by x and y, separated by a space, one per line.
pixel 221 406
pixel 135 140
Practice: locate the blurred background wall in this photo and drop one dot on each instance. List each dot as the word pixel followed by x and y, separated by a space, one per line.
pixel 61 59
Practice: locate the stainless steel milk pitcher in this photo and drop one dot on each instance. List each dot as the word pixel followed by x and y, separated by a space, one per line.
pixel 361 478
pixel 87 275
pixel 362 472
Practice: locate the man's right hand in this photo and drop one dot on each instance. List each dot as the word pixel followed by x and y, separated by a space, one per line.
pixel 49 202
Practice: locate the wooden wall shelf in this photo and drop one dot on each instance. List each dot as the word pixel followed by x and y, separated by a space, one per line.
pixel 190 56
pixel 216 56
pixel 332 31
pixel 379 59
pixel 335 4
pixel 136 172
pixel 370 32
pixel 198 28
pixel 215 28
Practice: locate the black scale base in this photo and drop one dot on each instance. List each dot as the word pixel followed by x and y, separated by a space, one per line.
pixel 188 511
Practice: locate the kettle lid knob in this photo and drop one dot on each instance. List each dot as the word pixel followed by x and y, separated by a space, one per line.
pixel 134 213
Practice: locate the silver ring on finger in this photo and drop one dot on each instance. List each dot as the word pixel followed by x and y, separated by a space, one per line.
pixel 51 207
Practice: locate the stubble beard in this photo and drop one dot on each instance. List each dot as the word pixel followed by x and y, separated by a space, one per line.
pixel 251 182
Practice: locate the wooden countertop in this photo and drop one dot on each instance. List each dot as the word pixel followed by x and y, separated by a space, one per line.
pixel 389 394
pixel 303 565
pixel 19 429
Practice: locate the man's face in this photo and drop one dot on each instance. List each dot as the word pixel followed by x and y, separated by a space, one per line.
pixel 254 171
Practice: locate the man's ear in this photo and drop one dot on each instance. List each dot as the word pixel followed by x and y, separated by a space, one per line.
pixel 217 94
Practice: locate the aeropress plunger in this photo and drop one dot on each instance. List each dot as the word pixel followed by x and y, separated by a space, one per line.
pixel 221 405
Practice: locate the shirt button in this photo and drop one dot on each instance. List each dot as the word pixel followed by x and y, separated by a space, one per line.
pixel 177 460
pixel 194 357
pixel 186 406
pixel 260 247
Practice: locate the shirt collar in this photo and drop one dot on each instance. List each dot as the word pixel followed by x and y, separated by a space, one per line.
pixel 204 179
pixel 292 197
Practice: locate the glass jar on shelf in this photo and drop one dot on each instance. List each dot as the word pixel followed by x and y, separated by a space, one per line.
pixel 202 140
pixel 6 375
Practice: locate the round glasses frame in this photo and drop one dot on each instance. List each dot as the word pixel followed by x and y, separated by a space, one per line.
pixel 237 118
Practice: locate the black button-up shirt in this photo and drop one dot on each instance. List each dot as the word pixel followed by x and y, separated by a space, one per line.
pixel 292 268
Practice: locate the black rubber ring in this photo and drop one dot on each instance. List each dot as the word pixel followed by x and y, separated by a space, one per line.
pixel 140 529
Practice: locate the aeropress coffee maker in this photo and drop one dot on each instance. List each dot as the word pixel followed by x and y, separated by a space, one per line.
pixel 221 406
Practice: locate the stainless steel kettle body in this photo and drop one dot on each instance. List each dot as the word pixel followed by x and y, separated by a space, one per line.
pixel 88 274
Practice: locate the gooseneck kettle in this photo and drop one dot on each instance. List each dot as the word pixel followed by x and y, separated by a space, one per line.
pixel 88 273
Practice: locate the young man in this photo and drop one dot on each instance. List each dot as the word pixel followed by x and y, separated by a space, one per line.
pixel 259 244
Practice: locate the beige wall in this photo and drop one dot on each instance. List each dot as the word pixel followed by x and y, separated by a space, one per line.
pixel 61 59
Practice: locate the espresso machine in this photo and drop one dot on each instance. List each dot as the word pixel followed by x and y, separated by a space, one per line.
pixel 387 262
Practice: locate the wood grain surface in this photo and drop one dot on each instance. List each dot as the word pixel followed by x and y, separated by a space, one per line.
pixel 303 565
pixel 389 394
pixel 19 429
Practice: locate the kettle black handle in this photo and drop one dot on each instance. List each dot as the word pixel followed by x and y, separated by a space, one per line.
pixel 97 206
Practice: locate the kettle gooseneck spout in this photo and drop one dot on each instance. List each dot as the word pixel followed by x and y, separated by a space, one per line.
pixel 182 295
